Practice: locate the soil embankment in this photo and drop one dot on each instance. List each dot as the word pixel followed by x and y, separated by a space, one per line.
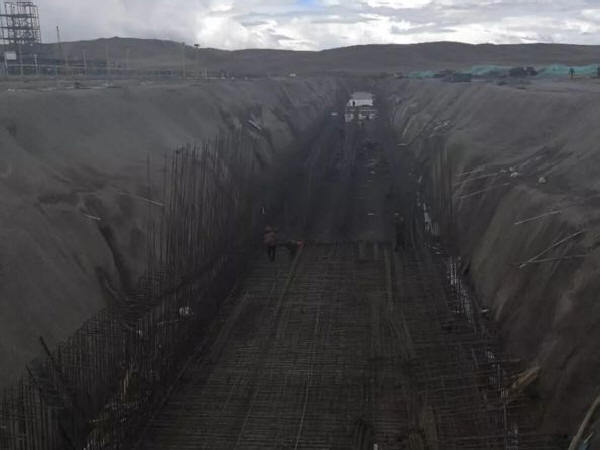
pixel 74 182
pixel 525 195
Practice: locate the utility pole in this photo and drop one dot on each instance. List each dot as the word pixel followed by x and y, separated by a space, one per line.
pixel 61 49
pixel 183 59
pixel 197 46
pixel 84 56
pixel 107 61
pixel 20 59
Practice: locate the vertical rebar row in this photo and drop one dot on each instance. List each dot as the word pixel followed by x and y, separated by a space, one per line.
pixel 99 385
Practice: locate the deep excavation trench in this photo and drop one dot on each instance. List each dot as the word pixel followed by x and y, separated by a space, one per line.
pixel 493 209
pixel 351 344
pixel 479 334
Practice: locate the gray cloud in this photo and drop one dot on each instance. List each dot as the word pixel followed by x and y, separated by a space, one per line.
pixel 317 24
pixel 431 28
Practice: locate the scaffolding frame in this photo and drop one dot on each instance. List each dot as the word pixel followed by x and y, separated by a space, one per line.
pixel 20 25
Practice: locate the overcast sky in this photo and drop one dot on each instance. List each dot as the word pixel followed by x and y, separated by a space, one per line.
pixel 319 24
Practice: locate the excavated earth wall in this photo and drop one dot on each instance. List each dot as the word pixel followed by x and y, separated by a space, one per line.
pixel 525 165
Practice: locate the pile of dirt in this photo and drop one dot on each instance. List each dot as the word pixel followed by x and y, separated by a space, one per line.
pixel 74 183
pixel 525 166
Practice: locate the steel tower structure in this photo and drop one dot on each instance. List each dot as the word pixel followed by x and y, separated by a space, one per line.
pixel 20 25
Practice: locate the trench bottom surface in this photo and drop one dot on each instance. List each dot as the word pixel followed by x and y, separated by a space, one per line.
pixel 306 357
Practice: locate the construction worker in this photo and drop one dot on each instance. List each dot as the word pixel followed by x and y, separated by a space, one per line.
pixel 270 241
pixel 399 227
pixel 293 247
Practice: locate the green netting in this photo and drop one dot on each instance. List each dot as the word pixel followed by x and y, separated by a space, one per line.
pixel 551 71
pixel 487 70
pixel 560 70
pixel 420 75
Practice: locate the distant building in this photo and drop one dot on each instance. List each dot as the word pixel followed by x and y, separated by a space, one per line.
pixel 361 106
pixel 361 99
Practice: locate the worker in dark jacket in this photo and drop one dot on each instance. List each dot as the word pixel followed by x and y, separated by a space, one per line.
pixel 399 229
pixel 293 247
pixel 270 241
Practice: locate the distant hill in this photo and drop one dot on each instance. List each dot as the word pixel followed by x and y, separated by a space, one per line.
pixel 358 59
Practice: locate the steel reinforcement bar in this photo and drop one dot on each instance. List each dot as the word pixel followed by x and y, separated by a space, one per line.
pixel 98 386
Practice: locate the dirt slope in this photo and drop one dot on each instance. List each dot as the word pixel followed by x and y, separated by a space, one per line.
pixel 517 154
pixel 73 169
